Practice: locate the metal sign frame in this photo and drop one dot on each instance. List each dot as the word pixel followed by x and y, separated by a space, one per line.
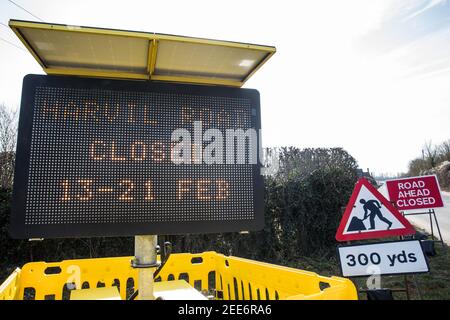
pixel 18 229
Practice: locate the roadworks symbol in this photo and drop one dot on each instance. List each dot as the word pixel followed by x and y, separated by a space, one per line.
pixel 370 215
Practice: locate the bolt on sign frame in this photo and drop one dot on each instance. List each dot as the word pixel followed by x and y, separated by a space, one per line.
pixel 109 53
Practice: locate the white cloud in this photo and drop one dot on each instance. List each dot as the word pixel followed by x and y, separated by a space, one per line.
pixel 429 5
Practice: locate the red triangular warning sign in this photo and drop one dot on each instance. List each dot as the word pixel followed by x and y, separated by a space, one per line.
pixel 369 215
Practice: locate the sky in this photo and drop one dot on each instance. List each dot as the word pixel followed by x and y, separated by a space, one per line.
pixel 370 76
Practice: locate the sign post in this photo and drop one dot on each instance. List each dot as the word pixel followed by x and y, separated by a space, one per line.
pixel 103 157
pixel 145 260
pixel 100 157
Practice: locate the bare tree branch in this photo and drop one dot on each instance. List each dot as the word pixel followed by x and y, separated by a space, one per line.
pixel 8 140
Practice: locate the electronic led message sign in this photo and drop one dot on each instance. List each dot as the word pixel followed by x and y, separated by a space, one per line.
pixel 99 157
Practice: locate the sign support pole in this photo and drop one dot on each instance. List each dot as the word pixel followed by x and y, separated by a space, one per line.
pixel 431 224
pixel 419 292
pixel 406 287
pixel 145 260
pixel 437 227
pixel 432 214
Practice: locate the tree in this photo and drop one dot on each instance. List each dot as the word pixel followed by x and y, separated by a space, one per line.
pixel 417 166
pixel 430 153
pixel 8 133
pixel 432 157
pixel 444 151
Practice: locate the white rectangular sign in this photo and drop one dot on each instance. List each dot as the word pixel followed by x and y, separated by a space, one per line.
pixel 383 258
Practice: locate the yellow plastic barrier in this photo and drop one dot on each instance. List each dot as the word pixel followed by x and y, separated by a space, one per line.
pixel 228 278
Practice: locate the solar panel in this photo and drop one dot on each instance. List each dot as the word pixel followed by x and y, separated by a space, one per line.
pixel 96 52
pixel 177 58
pixel 63 49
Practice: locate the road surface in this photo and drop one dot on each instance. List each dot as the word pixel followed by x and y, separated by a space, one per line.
pixel 442 215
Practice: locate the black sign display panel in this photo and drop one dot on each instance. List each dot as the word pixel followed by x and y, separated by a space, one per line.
pixel 98 157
